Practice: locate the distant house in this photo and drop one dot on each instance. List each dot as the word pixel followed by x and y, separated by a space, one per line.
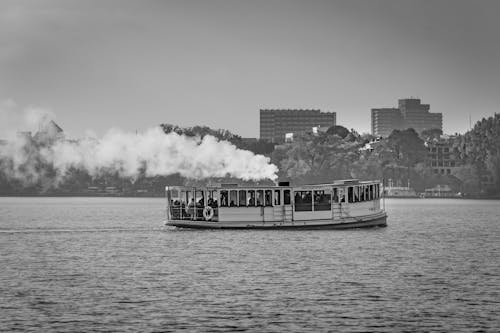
pixel 48 133
pixel 440 191
pixel 400 191
pixel 442 154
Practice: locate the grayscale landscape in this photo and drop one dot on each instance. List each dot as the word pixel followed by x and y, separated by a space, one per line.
pixel 260 166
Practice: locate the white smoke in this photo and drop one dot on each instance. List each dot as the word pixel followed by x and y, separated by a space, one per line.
pixel 152 153
pixel 157 153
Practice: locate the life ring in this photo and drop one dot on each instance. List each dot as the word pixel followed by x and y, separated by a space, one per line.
pixel 208 213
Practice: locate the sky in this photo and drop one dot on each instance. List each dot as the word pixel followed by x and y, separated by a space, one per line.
pixel 136 64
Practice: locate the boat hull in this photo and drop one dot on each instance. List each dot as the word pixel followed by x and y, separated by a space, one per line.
pixel 370 221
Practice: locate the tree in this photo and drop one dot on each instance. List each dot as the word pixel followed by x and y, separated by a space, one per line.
pixel 341 131
pixel 433 133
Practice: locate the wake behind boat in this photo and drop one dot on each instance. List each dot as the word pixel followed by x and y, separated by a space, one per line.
pixel 339 205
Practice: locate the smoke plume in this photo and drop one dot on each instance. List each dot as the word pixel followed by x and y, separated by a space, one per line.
pixel 151 153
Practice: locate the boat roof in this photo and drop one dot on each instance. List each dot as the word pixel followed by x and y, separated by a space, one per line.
pixel 321 185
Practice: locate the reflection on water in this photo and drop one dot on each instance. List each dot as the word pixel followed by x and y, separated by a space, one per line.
pixel 108 264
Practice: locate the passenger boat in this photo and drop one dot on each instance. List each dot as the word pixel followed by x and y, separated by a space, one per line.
pixel 339 205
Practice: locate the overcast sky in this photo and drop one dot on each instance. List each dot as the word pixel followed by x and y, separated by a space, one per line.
pixel 135 64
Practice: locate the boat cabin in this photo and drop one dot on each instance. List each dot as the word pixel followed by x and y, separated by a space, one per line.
pixel 230 202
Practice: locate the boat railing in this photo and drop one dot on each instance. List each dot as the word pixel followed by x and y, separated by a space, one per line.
pixel 197 213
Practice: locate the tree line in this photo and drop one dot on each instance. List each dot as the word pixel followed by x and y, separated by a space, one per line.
pixel 320 157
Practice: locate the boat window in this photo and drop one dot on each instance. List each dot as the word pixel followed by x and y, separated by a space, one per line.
pixel 268 197
pixel 277 198
pixel 189 197
pixel 335 195
pixel 342 194
pixel 243 198
pixel 260 197
pixel 350 194
pixel 212 199
pixel 287 197
pixel 362 193
pixel 251 198
pixel 322 200
pixel 233 198
pixel 191 207
pixel 303 201
pixel 224 198
pixel 200 198
pixel 367 192
pixel 356 194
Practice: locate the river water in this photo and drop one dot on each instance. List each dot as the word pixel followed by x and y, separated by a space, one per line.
pixel 108 264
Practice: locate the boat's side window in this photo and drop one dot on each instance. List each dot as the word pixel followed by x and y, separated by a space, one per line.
pixel 200 198
pixel 335 195
pixel 350 194
pixel 287 197
pixel 322 200
pixel 243 198
pixel 260 197
pixel 212 199
pixel 233 198
pixel 268 197
pixel 251 198
pixel 362 194
pixel 303 201
pixel 356 194
pixel 277 198
pixel 224 198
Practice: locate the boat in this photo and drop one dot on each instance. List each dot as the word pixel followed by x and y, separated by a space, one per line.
pixel 340 205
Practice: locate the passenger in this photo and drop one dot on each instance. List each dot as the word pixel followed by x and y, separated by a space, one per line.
pixel 232 204
pixel 251 202
pixel 191 208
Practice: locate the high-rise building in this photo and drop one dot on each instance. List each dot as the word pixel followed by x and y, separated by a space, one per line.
pixel 417 116
pixel 275 123
pixel 385 120
pixel 411 113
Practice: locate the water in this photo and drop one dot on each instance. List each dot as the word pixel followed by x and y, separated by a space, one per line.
pixel 108 264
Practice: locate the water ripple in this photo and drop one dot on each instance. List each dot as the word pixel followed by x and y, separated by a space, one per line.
pixel 101 264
